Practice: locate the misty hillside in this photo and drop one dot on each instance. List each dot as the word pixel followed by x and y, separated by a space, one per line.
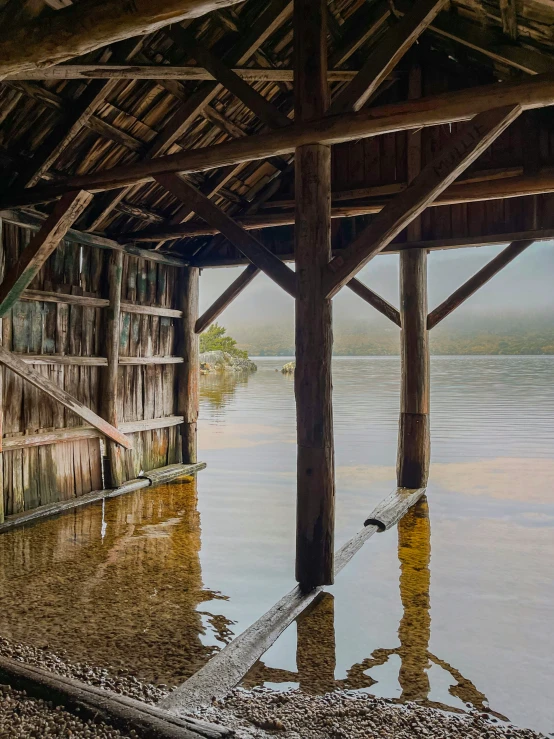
pixel 512 314
pixel 534 335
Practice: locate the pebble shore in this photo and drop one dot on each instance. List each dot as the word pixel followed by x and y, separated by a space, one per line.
pixel 263 713
pixel 253 714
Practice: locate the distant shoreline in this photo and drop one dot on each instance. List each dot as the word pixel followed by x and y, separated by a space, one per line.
pixel 391 356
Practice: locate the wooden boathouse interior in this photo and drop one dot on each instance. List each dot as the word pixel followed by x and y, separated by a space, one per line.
pixel 141 143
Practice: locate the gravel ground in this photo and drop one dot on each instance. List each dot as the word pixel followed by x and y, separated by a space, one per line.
pixel 262 713
pixel 22 717
pixel 254 714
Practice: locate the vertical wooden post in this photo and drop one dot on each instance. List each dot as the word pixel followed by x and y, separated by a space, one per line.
pixel 315 466
pixel 116 471
pixel 1 423
pixel 189 371
pixel 414 437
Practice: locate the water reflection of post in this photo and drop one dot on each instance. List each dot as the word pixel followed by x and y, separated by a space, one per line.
pixel 414 553
pixel 315 650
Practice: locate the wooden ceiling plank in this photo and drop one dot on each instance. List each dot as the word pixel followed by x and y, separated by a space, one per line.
pixel 460 151
pixel 386 55
pixel 256 252
pixel 267 23
pixel 449 107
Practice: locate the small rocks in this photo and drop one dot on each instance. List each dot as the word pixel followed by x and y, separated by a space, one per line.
pixel 289 368
pixel 22 717
pixel 262 713
pixel 218 361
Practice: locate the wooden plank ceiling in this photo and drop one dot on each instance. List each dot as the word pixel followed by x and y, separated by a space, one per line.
pixel 58 126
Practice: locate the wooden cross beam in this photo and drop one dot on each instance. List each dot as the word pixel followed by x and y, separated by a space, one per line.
pixel 450 107
pixel 33 377
pixel 113 71
pixel 386 55
pixel 256 252
pixel 226 298
pixel 462 149
pixel 264 109
pixel 54 228
pixel 379 303
pixel 471 286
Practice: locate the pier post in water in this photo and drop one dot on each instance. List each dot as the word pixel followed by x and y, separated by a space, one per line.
pixel 315 461
pixel 189 371
pixel 412 467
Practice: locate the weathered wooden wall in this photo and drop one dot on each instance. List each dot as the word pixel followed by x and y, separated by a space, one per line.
pixel 46 472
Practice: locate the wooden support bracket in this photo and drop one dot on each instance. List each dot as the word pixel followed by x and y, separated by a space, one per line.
pixel 226 298
pixel 61 396
pixel 478 280
pixel 379 303
pixel 54 228
pixel 461 150
pixel 256 252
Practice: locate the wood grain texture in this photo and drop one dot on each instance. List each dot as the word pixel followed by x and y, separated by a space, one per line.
pixel 414 436
pixel 41 246
pixel 389 512
pixel 164 72
pixel 256 252
pixel 428 111
pixel 226 298
pixel 315 507
pixel 189 371
pixel 114 708
pixel 461 150
pixel 477 281
pixel 77 30
pixel 385 56
pixel 61 396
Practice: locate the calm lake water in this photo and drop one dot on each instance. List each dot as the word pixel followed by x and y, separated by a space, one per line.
pixel 455 607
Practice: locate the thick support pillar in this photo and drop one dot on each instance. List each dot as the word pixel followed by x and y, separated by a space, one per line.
pixel 115 471
pixel 189 371
pixel 414 438
pixel 315 467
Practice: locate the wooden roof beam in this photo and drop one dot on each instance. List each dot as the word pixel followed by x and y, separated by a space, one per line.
pixel 79 29
pixel 386 55
pixel 260 106
pixel 164 72
pixel 449 107
pixel 461 150
pixel 256 252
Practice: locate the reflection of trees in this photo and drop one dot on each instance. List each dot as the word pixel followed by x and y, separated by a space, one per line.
pixel 315 656
pixel 216 388
pixel 126 600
